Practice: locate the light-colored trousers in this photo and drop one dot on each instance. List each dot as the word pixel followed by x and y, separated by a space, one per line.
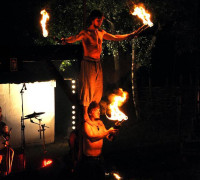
pixel 90 82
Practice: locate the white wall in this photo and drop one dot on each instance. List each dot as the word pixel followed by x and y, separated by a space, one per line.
pixel 39 97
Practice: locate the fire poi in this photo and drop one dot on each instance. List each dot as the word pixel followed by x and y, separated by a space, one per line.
pixel 115 114
pixel 139 11
pixel 43 22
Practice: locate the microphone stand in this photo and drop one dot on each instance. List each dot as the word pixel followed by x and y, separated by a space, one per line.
pixel 22 123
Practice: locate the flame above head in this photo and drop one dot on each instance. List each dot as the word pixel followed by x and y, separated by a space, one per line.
pixel 116 176
pixel 116 102
pixel 45 18
pixel 142 14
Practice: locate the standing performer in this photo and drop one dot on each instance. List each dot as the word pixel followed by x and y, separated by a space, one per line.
pixel 91 76
pixel 91 166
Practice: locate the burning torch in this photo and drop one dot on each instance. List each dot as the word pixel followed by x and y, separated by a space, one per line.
pixel 140 11
pixel 43 22
pixel 117 100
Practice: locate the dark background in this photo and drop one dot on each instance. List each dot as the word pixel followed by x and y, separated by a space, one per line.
pixel 166 136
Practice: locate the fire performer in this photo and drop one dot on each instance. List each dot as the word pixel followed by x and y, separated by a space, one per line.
pixel 94 131
pixel 91 76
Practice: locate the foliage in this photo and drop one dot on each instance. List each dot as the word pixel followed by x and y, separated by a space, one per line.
pixel 142 54
pixel 65 64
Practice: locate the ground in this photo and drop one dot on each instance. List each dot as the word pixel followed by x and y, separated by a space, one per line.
pixel 153 162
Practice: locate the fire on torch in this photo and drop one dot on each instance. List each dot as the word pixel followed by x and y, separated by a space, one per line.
pixel 144 15
pixel 115 114
pixel 43 22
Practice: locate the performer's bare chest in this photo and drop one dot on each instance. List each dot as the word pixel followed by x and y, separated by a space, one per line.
pixel 93 38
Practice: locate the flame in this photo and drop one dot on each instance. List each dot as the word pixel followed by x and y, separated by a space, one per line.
pixel 142 14
pixel 47 162
pixel 45 18
pixel 116 176
pixel 116 101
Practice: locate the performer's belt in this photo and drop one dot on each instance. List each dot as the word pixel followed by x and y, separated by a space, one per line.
pixel 87 58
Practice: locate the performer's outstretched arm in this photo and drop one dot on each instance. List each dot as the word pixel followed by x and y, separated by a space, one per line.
pixel 73 39
pixel 108 36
